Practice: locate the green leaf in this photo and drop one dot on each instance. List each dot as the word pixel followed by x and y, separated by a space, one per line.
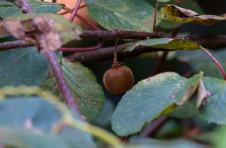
pixel 150 98
pixel 52 28
pixel 143 142
pixel 126 15
pixel 23 66
pixel 165 43
pixel 185 111
pixel 87 92
pixel 180 15
pixel 13 9
pixel 39 115
pixel 200 61
pixel 163 1
pixel 21 137
pixel 214 111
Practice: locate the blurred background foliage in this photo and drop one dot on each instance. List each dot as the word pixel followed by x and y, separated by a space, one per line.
pixel 183 62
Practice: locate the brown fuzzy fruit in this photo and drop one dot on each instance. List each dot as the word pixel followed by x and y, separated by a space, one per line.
pixel 118 80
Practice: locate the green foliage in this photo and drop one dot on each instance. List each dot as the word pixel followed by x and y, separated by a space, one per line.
pixel 23 66
pixel 214 110
pixel 126 15
pixel 150 98
pixel 30 122
pixel 165 43
pixel 200 61
pixel 13 9
pixel 87 92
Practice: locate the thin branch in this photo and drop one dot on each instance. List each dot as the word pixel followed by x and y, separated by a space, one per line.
pixel 98 46
pixel 210 41
pixel 82 19
pixel 120 34
pixel 104 54
pixel 156 9
pixel 14 44
pixel 83 6
pixel 212 57
pixel 151 130
pixel 52 60
pixel 75 10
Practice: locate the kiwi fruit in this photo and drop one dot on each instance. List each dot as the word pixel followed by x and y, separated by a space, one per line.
pixel 119 79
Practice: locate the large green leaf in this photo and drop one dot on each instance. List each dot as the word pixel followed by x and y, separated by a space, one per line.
pixel 165 43
pixel 214 111
pixel 23 66
pixel 200 61
pixel 126 15
pixel 52 32
pixel 150 98
pixel 143 142
pixel 13 9
pixel 41 116
pixel 180 15
pixel 87 92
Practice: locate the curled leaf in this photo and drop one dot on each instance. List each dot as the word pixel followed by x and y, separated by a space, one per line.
pixel 180 15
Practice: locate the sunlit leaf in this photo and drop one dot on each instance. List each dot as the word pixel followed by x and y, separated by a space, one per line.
pixel 165 43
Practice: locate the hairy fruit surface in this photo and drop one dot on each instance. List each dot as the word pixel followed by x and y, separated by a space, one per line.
pixel 118 80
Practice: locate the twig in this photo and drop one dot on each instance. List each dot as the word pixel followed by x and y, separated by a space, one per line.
pixel 83 6
pixel 82 19
pixel 75 10
pixel 156 9
pixel 104 54
pixel 151 130
pixel 52 60
pixel 98 46
pixel 210 41
pixel 65 90
pixel 14 44
pixel 212 57
pixel 187 74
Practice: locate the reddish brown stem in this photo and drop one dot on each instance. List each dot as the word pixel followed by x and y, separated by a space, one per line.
pixel 81 49
pixel 82 19
pixel 187 74
pixel 115 52
pixel 75 10
pixel 215 60
pixel 151 130
pixel 156 9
